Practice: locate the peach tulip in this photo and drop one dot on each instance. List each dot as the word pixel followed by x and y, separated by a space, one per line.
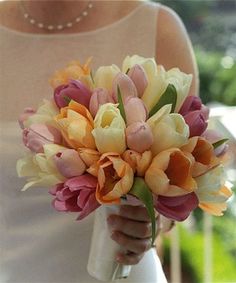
pixel 170 173
pixel 115 178
pixel 89 156
pixel 139 162
pixel 76 124
pixel 203 153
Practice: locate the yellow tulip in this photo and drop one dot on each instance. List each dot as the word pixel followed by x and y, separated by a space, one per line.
pixel 170 173
pixel 115 178
pixel 44 115
pixel 105 75
pixel 109 129
pixel 169 130
pixel 40 168
pixel 76 125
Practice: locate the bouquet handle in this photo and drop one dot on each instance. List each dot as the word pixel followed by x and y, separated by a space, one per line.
pixel 103 250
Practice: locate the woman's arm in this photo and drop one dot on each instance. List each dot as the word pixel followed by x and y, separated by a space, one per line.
pixel 173 46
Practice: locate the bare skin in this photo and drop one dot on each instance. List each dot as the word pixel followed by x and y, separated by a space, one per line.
pixel 132 227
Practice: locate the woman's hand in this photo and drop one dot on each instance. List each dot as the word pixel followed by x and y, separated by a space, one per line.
pixel 132 230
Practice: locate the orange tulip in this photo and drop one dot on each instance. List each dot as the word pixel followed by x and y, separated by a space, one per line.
pixel 170 173
pixel 76 125
pixel 203 153
pixel 139 162
pixel 115 178
pixel 89 156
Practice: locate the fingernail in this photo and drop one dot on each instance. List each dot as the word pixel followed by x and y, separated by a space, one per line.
pixel 119 258
pixel 110 221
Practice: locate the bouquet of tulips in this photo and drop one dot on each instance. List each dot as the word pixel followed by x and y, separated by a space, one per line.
pixel 123 135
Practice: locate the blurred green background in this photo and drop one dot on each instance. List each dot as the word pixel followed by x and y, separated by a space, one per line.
pixel 212 28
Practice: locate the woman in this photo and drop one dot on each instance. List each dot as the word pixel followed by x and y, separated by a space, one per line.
pixel 37 243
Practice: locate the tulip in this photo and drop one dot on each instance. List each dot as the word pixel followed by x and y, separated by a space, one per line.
pixel 115 178
pixel 139 78
pixel 203 153
pixel 170 173
pixel 89 156
pixel 44 114
pixel 37 135
pixel 213 136
pixel 74 71
pixel 195 115
pixel 69 163
pixel 99 97
pixel 109 129
pixel 181 82
pixel 126 86
pixel 25 115
pixel 40 168
pixel 76 195
pixel 75 90
pixel 139 162
pixel 105 75
pixel 177 208
pixel 139 136
pixel 169 130
pixel 135 110
pixel 212 192
pixel 76 124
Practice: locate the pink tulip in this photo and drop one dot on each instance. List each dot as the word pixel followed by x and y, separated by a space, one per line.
pixel 195 115
pixel 177 208
pixel 135 110
pixel 126 86
pixel 75 90
pixel 69 163
pixel 25 115
pixel 213 136
pixel 76 195
pixel 99 97
pixel 37 135
pixel 139 136
pixel 139 78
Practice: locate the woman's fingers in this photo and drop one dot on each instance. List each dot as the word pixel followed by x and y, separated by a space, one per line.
pixel 138 213
pixel 137 246
pixel 129 227
pixel 129 258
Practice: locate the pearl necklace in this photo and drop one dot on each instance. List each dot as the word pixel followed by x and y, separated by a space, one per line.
pixel 50 27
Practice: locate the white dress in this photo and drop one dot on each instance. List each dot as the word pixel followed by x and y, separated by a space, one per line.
pixel 37 243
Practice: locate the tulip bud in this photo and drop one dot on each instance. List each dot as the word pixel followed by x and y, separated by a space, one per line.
pixel 196 122
pixel 99 97
pixel 139 136
pixel 135 110
pixel 37 135
pixel 139 78
pixel 69 163
pixel 126 86
pixel 25 115
pixel 75 90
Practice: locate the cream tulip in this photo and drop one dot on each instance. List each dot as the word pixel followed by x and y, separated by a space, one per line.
pixel 109 129
pixel 105 75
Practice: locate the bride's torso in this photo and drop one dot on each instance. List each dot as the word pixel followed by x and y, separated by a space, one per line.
pixel 38 244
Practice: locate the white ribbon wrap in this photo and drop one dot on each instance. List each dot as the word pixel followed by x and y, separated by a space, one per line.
pixel 102 263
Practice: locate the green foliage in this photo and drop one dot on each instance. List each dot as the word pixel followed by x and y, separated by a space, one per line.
pixel 192 257
pixel 216 82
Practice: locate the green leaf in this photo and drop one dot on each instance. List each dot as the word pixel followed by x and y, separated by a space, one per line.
pixel 92 78
pixel 127 71
pixel 121 105
pixel 142 192
pixel 219 143
pixel 168 97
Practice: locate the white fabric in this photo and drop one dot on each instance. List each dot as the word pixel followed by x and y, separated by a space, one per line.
pixel 37 243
